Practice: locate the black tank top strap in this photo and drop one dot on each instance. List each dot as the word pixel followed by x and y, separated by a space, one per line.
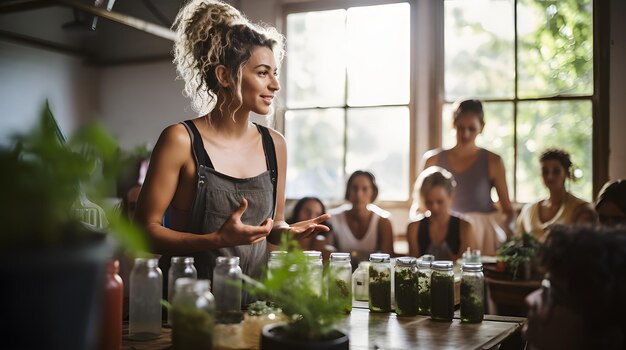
pixel 270 158
pixel 423 236
pixel 199 152
pixel 453 237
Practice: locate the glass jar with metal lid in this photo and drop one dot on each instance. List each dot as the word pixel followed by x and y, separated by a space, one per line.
pixel 472 293
pixel 442 291
pixel 405 283
pixel 340 279
pixel 316 270
pixel 423 287
pixel 380 283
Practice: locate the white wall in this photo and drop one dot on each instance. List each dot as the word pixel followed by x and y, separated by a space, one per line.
pixel 617 96
pixel 29 76
pixel 139 101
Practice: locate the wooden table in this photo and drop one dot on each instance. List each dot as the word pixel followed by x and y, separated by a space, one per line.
pixel 387 331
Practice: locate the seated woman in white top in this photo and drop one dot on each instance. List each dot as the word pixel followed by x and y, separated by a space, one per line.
pixel 361 230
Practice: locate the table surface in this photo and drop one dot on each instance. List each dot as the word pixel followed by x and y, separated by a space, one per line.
pixel 369 330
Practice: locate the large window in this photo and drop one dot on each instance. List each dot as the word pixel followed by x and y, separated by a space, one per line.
pixel 347 99
pixel 531 62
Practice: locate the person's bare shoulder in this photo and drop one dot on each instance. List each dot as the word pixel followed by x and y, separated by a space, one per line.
pixel 431 157
pixel 279 140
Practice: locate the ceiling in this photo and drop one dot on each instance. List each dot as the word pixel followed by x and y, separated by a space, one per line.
pixel 63 26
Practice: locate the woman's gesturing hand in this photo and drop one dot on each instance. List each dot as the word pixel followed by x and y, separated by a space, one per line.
pixel 234 232
pixel 308 228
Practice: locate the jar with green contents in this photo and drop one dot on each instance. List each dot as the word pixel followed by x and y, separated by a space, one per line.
pixel 380 283
pixel 275 261
pixel 472 293
pixel 340 279
pixel 423 287
pixel 405 283
pixel 192 315
pixel 442 291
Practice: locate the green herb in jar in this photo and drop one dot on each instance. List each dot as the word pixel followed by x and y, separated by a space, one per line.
pixel 423 300
pixel 472 307
pixel 380 291
pixel 341 290
pixel 442 297
pixel 406 292
pixel 191 329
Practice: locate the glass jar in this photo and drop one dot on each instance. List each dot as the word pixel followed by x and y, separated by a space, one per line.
pixel 340 279
pixel 472 293
pixel 180 266
pixel 427 258
pixel 275 261
pixel 316 270
pixel 405 283
pixel 380 283
pixel 442 291
pixel 423 287
pixel 227 285
pixel 192 315
pixel 146 291
pixel 360 282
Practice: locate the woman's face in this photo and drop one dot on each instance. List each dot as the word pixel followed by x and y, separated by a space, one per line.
pixel 467 126
pixel 553 174
pixel 361 191
pixel 259 81
pixel 310 210
pixel 437 200
pixel 610 214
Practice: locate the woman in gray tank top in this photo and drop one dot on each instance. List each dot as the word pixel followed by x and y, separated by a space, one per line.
pixel 221 176
pixel 476 171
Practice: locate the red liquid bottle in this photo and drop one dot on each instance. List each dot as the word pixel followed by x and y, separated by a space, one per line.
pixel 111 327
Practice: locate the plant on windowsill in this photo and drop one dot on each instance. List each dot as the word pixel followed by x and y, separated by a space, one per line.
pixel 312 319
pixel 54 243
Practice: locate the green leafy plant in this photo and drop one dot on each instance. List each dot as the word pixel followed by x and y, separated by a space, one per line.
pixel 310 316
pixel 44 178
pixel 517 253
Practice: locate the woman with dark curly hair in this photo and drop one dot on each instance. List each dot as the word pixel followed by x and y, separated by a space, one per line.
pixel 561 207
pixel 581 304
pixel 222 176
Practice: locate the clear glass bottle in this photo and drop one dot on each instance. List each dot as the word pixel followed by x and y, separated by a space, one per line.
pixel 192 315
pixel 405 283
pixel 275 261
pixel 380 283
pixel 360 282
pixel 472 293
pixel 423 287
pixel 146 292
pixel 227 284
pixel 180 266
pixel 340 279
pixel 442 291
pixel 316 270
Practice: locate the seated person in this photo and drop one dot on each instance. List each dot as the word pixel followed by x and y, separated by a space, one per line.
pixel 581 303
pixel 305 209
pixel 362 229
pixel 438 232
pixel 561 207
pixel 611 203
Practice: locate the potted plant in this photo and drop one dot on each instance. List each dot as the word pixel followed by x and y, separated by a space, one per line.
pixel 312 318
pixel 515 257
pixel 54 243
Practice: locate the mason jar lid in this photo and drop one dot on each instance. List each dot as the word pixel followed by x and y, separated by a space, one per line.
pixel 277 254
pixel 428 257
pixel 228 260
pixel 151 262
pixel 406 261
pixel 442 265
pixel 473 267
pixel 424 264
pixel 339 256
pixel 379 257
pixel 182 260
pixel 313 254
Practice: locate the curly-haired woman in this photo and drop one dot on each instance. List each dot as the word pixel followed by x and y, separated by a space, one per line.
pixel 222 176
pixel 561 207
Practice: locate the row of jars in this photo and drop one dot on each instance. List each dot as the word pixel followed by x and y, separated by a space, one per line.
pixel 425 287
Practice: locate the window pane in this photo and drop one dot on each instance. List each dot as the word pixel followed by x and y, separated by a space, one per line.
pixel 563 124
pixel 479 49
pixel 555 47
pixel 497 136
pixel 379 55
pixel 378 141
pixel 316 67
pixel 315 153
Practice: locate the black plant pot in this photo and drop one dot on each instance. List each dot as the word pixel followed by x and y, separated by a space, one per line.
pixel 274 337
pixel 50 298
